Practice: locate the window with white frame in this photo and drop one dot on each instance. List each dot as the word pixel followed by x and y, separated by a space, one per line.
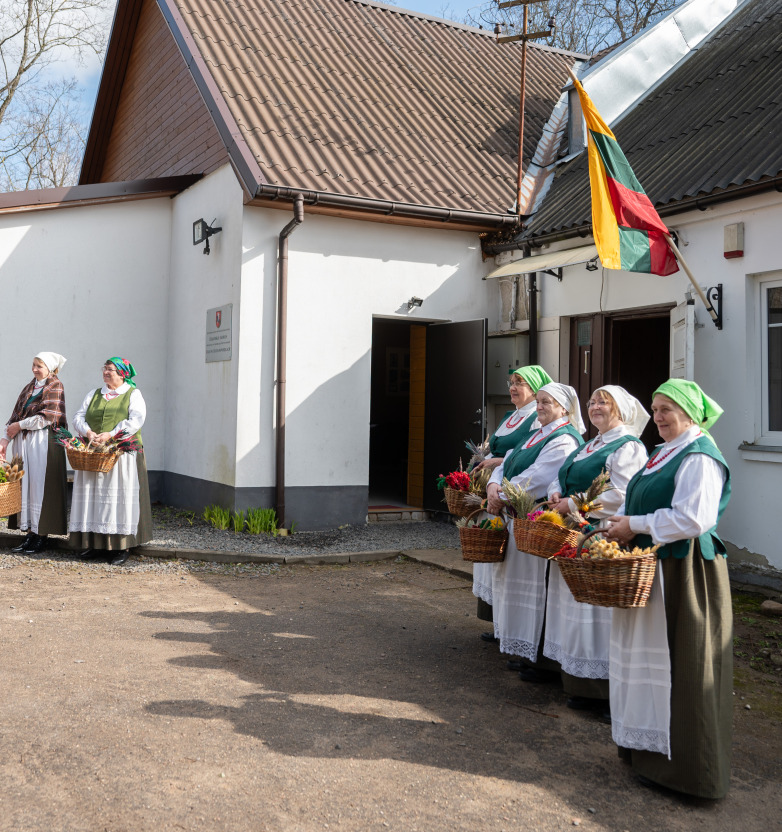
pixel 771 355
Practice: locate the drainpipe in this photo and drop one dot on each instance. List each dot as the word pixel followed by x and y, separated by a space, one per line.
pixel 533 318
pixel 282 333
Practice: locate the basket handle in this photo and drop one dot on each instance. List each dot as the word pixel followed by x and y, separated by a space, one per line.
pixel 585 538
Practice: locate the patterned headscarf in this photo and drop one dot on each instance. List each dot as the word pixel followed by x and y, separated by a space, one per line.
pixel 124 368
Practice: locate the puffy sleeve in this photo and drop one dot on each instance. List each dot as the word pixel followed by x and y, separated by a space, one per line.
pixel 137 414
pixel 80 425
pixel 696 499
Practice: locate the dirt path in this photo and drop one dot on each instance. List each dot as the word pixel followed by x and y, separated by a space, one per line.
pixel 349 698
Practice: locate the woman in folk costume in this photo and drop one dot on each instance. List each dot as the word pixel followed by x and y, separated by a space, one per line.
pixel 516 425
pixel 111 512
pixel 519 582
pixel 577 635
pixel 40 405
pixel 672 661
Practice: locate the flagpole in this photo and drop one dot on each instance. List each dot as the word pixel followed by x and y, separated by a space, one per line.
pixel 683 263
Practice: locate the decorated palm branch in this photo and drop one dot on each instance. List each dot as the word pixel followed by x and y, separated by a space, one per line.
pixel 120 443
pixel 520 501
pixel 586 501
pixel 478 452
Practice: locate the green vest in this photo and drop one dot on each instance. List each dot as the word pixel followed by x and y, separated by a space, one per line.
pixel 522 458
pixel 646 494
pixel 103 416
pixel 578 476
pixel 500 445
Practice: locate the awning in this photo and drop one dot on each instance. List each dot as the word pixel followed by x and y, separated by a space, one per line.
pixel 550 260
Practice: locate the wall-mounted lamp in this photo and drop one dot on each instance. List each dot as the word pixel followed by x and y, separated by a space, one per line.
pixel 202 232
pixel 591 265
pixel 414 302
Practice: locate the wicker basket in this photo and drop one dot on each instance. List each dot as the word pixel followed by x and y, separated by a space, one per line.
pixel 483 545
pixel 609 582
pixel 521 530
pixel 10 498
pixel 91 460
pixel 545 539
pixel 455 501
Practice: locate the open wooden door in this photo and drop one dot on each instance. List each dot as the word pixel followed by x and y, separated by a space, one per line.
pixel 455 399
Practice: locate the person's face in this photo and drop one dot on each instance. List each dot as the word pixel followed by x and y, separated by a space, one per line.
pixel 520 392
pixel 40 370
pixel 548 408
pixel 603 412
pixel 111 378
pixel 670 419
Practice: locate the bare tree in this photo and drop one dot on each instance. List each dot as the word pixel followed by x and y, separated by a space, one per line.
pixel 34 35
pixel 585 26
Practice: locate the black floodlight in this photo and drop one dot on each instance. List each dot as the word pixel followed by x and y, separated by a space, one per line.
pixel 202 232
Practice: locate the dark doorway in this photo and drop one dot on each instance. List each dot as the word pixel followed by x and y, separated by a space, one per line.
pixel 389 419
pixel 639 361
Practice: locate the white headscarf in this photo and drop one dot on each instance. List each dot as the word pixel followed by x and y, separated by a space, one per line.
pixel 633 413
pixel 568 398
pixel 54 361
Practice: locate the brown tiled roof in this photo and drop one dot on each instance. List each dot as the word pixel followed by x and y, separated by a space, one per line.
pixel 360 99
pixel 713 126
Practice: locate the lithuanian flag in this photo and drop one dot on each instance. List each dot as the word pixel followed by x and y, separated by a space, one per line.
pixel 628 231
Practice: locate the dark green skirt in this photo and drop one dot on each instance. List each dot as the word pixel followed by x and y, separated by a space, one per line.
pixel 699 616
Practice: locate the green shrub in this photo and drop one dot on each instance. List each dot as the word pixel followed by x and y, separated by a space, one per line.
pixel 262 521
pixel 217 516
pixel 238 521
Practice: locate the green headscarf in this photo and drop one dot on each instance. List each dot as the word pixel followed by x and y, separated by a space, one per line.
pixel 124 368
pixel 692 400
pixel 534 375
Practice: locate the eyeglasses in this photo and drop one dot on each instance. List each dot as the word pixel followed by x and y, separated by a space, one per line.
pixel 512 383
pixel 109 368
pixel 597 403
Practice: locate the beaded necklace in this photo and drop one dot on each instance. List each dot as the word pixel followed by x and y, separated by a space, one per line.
pixel 534 441
pixel 512 424
pixel 657 458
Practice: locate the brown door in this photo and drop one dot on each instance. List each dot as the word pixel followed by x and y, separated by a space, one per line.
pixel 586 359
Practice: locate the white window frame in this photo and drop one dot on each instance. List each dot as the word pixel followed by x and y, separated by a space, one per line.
pixel 765 435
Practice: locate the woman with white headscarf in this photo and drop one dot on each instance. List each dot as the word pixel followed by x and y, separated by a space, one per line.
pixel 578 635
pixel 519 584
pixel 40 405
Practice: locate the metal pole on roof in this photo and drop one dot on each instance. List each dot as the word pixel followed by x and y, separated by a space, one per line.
pixel 524 37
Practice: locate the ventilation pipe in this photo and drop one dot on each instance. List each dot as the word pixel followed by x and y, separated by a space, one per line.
pixel 282 333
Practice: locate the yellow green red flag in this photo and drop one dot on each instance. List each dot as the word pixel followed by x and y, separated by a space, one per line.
pixel 629 233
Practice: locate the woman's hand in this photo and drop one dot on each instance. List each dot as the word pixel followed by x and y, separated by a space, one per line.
pixel 494 504
pixel 102 438
pixel 12 429
pixel 3 446
pixel 488 463
pixel 560 504
pixel 619 529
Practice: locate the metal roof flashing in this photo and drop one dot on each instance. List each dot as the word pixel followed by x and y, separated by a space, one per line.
pixel 633 69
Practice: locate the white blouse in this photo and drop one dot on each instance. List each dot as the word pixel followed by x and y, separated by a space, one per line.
pixel 137 410
pixel 622 465
pixel 548 463
pixel 520 414
pixel 696 498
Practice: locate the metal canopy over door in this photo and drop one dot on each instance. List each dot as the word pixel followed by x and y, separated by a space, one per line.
pixel 455 399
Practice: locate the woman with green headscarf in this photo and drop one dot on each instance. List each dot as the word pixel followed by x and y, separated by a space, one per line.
pixel 671 662
pixel 111 513
pixel 515 426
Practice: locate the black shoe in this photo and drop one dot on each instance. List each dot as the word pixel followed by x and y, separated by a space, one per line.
pixel 27 540
pixel 532 674
pixel 516 664
pixel 585 703
pixel 86 554
pixel 489 637
pixel 37 544
pixel 120 558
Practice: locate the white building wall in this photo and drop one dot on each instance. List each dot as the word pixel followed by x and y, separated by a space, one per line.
pixel 726 362
pixel 341 274
pixel 88 282
pixel 201 416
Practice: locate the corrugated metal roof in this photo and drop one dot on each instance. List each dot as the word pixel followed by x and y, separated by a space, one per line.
pixel 714 124
pixel 373 101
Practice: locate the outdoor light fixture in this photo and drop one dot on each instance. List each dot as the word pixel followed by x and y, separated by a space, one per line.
pixel 591 265
pixel 202 232
pixel 414 302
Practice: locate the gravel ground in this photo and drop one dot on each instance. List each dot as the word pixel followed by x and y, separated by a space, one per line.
pixel 176 529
